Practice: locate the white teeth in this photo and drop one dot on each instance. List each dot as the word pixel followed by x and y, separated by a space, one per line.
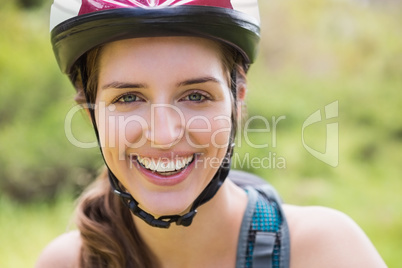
pixel 164 164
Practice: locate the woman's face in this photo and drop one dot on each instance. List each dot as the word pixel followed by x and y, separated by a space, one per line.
pixel 163 110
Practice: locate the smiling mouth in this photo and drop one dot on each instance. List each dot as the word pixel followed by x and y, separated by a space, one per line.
pixel 165 166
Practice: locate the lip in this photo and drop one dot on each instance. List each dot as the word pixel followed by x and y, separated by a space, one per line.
pixel 161 180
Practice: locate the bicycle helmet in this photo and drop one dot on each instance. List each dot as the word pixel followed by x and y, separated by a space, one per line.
pixel 77 26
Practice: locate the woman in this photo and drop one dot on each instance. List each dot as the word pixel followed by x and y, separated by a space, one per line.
pixel 163 83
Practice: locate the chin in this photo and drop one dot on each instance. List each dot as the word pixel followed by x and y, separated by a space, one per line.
pixel 162 206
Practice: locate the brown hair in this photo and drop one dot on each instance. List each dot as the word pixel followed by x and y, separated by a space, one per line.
pixel 109 237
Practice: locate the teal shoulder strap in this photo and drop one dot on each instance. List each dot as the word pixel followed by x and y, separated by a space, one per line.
pixel 242 246
pixel 264 234
pixel 281 258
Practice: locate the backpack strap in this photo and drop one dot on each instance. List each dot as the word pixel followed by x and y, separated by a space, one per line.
pixel 242 246
pixel 264 234
pixel 282 257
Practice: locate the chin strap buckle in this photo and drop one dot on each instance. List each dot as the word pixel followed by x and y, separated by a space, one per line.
pixel 186 219
pixel 161 222
pixel 164 221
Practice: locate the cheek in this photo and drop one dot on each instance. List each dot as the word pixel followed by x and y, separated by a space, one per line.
pixel 209 130
pixel 121 131
pixel 131 131
pixel 221 131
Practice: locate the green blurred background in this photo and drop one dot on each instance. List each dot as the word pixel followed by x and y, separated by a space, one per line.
pixel 313 52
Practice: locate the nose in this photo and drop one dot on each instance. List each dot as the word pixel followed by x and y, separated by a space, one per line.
pixel 166 127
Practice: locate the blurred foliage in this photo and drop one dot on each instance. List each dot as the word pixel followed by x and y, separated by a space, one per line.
pixel 313 52
pixel 30 4
pixel 36 158
pixel 26 229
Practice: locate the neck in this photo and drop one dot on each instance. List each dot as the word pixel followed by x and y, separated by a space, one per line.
pixel 211 238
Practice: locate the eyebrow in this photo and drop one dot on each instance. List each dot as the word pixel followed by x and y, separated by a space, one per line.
pixel 199 81
pixel 122 85
pixel 125 85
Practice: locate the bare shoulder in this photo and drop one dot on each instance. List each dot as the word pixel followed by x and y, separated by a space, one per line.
pixel 62 252
pixel 324 237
